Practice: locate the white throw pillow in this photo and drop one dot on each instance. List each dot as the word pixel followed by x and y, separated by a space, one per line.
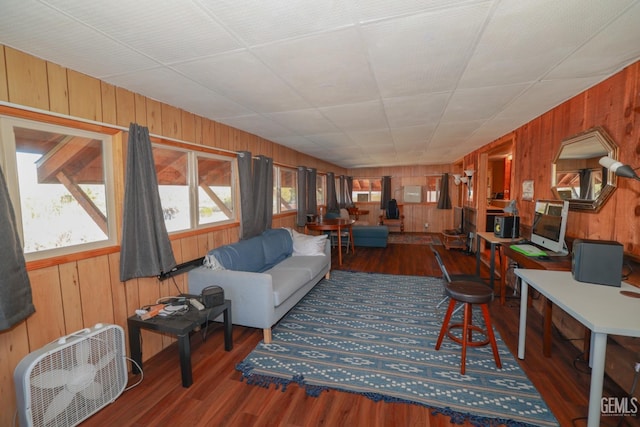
pixel 212 262
pixel 304 244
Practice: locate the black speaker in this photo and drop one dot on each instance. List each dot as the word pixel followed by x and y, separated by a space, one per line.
pixel 597 261
pixel 506 226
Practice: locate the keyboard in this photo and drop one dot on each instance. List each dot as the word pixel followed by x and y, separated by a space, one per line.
pixel 528 250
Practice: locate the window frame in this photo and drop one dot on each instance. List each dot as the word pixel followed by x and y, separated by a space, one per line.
pixel 277 188
pixel 8 160
pixel 193 154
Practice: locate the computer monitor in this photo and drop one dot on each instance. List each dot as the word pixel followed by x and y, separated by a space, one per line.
pixel 550 225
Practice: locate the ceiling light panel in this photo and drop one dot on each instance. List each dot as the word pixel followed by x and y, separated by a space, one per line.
pixel 432 49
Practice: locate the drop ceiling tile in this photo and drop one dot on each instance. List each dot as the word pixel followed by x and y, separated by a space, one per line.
pixel 182 93
pixel 243 78
pixel 34 28
pixel 331 140
pixel 432 48
pixel 304 122
pixel 415 110
pixel 406 137
pixel 372 138
pixel 606 53
pixel 376 10
pixel 450 134
pixel 326 69
pixel 166 30
pixel 258 125
pixel 359 116
pixel 480 103
pixel 506 54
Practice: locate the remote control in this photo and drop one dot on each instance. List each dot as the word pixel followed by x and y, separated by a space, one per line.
pixel 197 304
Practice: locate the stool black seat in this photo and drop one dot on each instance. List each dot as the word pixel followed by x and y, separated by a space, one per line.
pixel 469 292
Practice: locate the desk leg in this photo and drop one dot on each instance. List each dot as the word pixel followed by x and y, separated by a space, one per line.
pixel 548 326
pixel 135 348
pixel 522 332
pixel 228 329
pixel 597 378
pixel 478 255
pixel 503 280
pixel 492 265
pixel 184 348
pixel 339 246
pixel 353 245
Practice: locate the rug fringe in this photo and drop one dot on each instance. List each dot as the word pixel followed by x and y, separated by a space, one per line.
pixel 261 380
pixel 460 418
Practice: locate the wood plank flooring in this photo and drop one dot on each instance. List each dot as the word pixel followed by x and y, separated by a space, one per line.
pixel 219 398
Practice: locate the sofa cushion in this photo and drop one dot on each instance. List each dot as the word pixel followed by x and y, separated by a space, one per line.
pixel 277 246
pixel 286 281
pixel 245 255
pixel 312 264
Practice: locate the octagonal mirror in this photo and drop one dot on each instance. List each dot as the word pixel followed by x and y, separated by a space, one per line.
pixel 577 175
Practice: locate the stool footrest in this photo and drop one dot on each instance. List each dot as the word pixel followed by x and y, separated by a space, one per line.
pixel 469 341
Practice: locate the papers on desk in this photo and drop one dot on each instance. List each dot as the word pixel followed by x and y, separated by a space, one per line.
pixel 528 250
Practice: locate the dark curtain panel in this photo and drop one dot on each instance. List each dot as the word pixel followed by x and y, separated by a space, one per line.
pixel 262 193
pixel 586 192
pixel 444 201
pixel 302 197
pixel 349 191
pixel 15 288
pixel 332 198
pixel 341 190
pixel 145 250
pixel 312 200
pixel 386 192
pixel 245 181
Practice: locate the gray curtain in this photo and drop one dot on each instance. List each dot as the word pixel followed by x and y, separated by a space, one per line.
pixel 386 192
pixel 332 198
pixel 145 250
pixel 256 194
pixel 444 201
pixel 349 191
pixel 302 196
pixel 15 288
pixel 586 192
pixel 312 198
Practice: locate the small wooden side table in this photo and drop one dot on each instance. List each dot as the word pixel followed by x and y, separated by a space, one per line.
pixel 182 327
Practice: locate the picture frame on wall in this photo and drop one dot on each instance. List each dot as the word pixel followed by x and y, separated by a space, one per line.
pixel 527 189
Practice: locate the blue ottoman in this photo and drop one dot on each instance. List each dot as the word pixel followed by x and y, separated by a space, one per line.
pixel 373 236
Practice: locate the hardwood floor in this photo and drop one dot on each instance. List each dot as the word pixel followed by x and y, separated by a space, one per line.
pixel 219 398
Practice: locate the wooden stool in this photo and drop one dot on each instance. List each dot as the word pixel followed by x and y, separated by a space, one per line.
pixel 469 293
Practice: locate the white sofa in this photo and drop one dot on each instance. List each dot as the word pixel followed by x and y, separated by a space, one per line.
pixel 265 276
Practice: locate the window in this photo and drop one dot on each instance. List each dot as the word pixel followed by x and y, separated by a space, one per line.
pixel 285 185
pixel 432 189
pixel 366 189
pixel 321 189
pixel 60 186
pixel 195 187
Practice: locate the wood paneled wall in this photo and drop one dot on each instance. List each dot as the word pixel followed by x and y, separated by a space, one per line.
pixel 416 214
pixel 75 294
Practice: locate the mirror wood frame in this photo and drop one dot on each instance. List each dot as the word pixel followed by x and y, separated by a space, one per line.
pixel 595 134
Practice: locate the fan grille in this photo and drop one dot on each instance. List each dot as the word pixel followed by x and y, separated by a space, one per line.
pixel 69 383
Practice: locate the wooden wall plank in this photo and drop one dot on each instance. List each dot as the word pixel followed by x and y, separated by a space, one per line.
pixel 171 121
pixel 4 83
pixel 141 110
pixel 27 79
pixel 58 93
pixel 125 107
pixel 95 290
pixel 72 303
pixel 188 126
pixel 154 116
pixel 14 346
pixel 109 108
pixel 84 96
pixel 47 323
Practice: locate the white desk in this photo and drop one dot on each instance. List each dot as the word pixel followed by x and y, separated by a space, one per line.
pixel 600 308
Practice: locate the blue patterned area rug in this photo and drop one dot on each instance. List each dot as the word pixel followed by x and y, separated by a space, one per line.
pixel 375 334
